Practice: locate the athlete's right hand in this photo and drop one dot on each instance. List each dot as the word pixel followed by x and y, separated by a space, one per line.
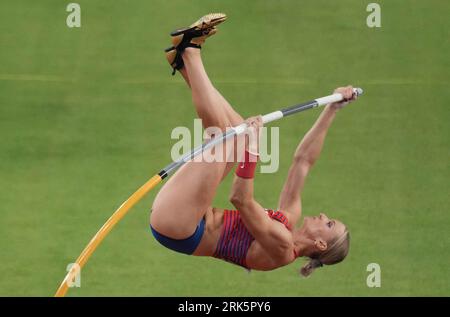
pixel 254 125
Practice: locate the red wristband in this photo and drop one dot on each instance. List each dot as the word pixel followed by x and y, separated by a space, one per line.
pixel 246 169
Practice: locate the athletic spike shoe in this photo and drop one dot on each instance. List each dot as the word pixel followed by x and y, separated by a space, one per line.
pixel 174 58
pixel 196 34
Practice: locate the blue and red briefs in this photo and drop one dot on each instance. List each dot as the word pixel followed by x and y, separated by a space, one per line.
pixel 186 246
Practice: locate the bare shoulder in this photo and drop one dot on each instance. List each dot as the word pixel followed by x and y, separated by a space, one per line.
pixel 259 258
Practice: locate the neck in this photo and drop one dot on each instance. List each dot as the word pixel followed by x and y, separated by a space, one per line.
pixel 301 244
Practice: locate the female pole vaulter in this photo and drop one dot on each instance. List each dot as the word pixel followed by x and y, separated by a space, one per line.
pixel 182 218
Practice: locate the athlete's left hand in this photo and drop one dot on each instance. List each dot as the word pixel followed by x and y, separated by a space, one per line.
pixel 348 94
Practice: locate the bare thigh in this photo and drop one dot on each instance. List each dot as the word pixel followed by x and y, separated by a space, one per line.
pixel 185 198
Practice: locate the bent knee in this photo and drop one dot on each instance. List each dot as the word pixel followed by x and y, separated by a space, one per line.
pixel 218 128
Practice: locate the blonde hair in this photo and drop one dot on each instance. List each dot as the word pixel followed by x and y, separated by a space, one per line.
pixel 332 255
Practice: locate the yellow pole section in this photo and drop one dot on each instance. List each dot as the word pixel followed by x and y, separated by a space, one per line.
pixel 104 230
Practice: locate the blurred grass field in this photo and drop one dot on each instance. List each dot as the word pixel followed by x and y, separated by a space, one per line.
pixel 86 116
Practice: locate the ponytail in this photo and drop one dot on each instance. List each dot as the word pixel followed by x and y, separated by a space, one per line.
pixel 309 267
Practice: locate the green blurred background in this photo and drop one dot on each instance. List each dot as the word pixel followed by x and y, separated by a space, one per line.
pixel 86 116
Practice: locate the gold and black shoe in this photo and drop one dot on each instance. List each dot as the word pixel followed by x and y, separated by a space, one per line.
pixel 196 34
pixel 192 36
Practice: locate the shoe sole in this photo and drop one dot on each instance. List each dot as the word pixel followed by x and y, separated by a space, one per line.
pixel 204 23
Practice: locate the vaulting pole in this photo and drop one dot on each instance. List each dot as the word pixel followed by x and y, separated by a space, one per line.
pixel 170 169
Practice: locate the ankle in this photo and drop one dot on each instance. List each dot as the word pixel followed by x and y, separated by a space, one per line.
pixel 191 51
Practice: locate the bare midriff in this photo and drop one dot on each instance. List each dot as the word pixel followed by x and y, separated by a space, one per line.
pixel 213 229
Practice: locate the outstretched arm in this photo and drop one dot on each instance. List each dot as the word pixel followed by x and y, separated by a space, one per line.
pixel 306 154
pixel 272 238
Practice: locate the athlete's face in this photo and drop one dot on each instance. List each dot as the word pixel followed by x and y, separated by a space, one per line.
pixel 322 228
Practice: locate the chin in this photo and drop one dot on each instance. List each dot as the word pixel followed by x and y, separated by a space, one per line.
pixel 306 221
